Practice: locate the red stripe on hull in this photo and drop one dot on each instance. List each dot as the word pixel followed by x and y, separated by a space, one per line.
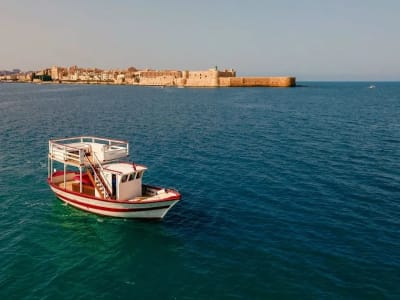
pixel 110 209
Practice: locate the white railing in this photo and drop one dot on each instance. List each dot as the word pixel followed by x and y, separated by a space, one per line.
pixel 113 149
pixel 92 139
pixel 66 153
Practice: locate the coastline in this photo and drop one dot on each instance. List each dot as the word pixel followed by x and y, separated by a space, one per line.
pixel 165 78
pixel 238 82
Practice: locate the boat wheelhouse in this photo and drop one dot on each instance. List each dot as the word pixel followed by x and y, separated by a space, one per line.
pixel 97 178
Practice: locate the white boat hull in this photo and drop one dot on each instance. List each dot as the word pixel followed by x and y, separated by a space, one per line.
pixel 119 209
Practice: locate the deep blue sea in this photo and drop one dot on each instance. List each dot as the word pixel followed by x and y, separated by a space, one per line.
pixel 288 193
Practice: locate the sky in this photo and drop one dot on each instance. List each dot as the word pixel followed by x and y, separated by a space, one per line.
pixel 309 39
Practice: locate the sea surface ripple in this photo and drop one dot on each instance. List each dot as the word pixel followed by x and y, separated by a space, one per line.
pixel 287 193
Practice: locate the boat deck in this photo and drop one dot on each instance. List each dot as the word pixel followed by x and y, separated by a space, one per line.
pixel 74 186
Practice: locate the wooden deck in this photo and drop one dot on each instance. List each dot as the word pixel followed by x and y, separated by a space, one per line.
pixel 74 186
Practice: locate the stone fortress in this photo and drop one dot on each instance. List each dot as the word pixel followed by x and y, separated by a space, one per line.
pixel 131 76
pixel 209 78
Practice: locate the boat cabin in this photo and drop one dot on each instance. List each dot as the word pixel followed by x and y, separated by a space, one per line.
pixel 124 180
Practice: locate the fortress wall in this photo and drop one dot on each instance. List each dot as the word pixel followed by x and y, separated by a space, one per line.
pixel 211 81
pixel 204 82
pixel 159 80
pixel 202 74
pixel 153 74
pixel 282 81
pixel 225 81
pixel 207 78
pixel 258 81
pixel 232 81
pixel 210 78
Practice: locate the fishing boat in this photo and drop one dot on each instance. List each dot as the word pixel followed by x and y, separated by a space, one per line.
pixel 97 178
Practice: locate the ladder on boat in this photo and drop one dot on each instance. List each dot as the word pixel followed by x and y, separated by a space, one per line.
pixel 96 176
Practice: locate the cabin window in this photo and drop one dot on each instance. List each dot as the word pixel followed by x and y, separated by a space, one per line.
pixel 139 175
pixel 124 178
pixel 131 176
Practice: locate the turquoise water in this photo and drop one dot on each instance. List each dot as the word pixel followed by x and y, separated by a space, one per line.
pixel 287 193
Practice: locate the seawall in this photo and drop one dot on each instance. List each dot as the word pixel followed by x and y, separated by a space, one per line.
pixel 257 81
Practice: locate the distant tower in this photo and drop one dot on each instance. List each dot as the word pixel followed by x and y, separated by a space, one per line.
pixel 215 76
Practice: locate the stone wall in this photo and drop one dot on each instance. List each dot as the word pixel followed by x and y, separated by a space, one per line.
pixel 208 78
pixel 163 78
pixel 166 80
pixel 202 78
pixel 257 81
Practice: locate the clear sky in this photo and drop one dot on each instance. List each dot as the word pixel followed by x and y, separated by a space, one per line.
pixel 309 39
